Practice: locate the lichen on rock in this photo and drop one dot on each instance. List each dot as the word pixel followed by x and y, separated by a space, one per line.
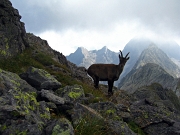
pixel 71 93
pixel 40 79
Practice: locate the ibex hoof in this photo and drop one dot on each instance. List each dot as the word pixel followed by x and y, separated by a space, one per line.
pixel 97 87
pixel 110 93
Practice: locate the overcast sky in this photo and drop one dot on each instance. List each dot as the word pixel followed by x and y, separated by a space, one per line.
pixel 92 24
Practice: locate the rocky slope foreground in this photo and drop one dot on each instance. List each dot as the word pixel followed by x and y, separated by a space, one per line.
pixel 41 93
pixel 48 108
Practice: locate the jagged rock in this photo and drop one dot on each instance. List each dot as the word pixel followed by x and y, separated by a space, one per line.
pixel 71 93
pixel 79 73
pixel 50 96
pixel 61 126
pixel 110 111
pixel 106 109
pixel 119 128
pixel 79 111
pixel 40 79
pixel 43 47
pixel 19 107
pixel 11 81
pixel 156 110
pixel 12 31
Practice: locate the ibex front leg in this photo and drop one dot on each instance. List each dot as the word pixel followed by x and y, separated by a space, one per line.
pixel 110 86
pixel 96 82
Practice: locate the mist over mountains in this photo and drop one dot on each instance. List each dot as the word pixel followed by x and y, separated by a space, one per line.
pixel 142 51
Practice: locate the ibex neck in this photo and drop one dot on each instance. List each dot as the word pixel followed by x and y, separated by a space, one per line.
pixel 121 65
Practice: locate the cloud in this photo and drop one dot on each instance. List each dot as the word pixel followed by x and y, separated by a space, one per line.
pixel 59 15
pixel 101 22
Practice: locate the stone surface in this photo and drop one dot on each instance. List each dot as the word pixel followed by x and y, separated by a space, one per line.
pixel 19 107
pixel 50 96
pixel 71 93
pixel 61 126
pixel 12 31
pixel 40 79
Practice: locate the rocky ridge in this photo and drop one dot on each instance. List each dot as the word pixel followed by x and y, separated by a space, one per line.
pixel 146 75
pixel 155 55
pixel 152 66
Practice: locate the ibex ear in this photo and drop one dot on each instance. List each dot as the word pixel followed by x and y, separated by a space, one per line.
pixel 127 58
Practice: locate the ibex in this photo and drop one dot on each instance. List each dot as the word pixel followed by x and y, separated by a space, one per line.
pixel 107 72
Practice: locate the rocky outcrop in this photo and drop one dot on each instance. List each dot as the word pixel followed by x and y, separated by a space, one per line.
pixel 12 31
pixel 41 46
pixel 156 110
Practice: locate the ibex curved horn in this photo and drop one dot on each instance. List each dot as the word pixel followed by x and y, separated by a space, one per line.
pixel 127 55
pixel 121 53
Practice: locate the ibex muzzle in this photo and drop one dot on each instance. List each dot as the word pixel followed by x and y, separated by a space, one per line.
pixel 107 72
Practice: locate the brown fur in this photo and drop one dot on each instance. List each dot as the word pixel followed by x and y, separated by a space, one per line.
pixel 107 72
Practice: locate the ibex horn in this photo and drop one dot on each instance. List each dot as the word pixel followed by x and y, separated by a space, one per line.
pixel 121 53
pixel 126 55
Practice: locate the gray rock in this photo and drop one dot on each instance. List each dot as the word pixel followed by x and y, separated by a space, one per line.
pixel 40 79
pixel 13 34
pixel 19 110
pixel 61 126
pixel 119 128
pixel 71 93
pixel 79 111
pixel 156 110
pixel 50 96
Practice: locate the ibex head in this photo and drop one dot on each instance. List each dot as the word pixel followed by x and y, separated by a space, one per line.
pixel 122 59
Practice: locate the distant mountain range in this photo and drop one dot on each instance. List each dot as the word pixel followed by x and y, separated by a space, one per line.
pixel 146 75
pixel 142 51
pixel 83 57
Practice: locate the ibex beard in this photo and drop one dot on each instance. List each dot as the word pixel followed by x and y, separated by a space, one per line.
pixel 107 72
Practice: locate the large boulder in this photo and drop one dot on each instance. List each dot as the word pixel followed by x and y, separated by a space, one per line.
pixel 60 126
pixel 73 93
pixel 49 96
pixel 19 107
pixel 40 79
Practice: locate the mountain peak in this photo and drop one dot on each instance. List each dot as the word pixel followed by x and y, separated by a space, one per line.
pixel 103 50
pixel 153 54
pixel 81 50
pixel 152 46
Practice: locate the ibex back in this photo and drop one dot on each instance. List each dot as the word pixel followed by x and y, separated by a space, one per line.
pixel 107 72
